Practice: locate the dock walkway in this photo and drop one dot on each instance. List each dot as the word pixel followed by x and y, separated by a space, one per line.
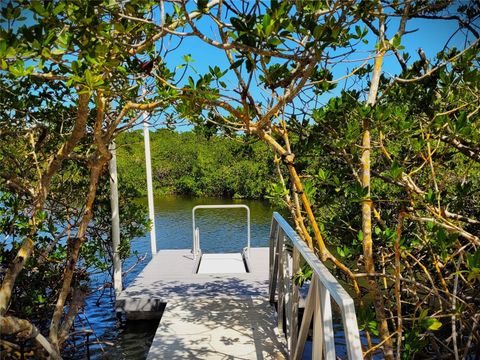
pixel 217 329
pixel 207 315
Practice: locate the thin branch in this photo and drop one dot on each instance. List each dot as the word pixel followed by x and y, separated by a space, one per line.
pixel 435 69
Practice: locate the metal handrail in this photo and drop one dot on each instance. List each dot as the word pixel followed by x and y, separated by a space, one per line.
pixel 323 287
pixel 196 232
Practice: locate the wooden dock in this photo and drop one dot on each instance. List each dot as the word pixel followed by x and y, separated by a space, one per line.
pixel 207 315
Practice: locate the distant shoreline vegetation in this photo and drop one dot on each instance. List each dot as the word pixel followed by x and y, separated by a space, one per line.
pixel 191 164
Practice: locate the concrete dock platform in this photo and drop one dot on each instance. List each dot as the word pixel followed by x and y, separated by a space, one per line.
pixel 208 315
pixel 218 329
pixel 171 275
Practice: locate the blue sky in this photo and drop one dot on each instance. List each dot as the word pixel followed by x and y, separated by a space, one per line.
pixel 430 35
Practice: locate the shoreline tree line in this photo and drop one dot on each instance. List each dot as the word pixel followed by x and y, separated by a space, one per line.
pixel 191 164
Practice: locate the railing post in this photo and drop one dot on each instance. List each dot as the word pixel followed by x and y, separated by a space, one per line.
pixel 248 227
pixel 196 243
pixel 117 263
pixel 318 339
pixel 352 335
pixel 148 169
pixel 271 251
pixel 307 319
pixel 236 206
pixel 281 296
pixel 294 301
pixel 323 288
pixel 287 291
pixel 276 260
pixel 327 322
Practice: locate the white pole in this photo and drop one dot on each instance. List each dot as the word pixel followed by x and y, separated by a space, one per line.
pixel 148 163
pixel 117 264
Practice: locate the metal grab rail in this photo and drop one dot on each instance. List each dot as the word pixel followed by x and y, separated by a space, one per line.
pixel 196 232
pixel 196 242
pixel 323 286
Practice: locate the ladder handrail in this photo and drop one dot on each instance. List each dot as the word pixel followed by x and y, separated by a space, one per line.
pixel 196 232
pixel 323 287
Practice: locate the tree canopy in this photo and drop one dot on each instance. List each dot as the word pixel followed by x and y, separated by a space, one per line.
pixel 375 143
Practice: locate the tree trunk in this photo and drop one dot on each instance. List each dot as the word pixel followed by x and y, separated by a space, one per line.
pixel 367 206
pixel 10 325
pixel 11 275
pixel 74 252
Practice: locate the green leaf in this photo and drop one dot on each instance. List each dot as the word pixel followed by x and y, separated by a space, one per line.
pixel 191 82
pixel 249 65
pixel 323 175
pixel 38 7
pixel 473 260
pixel 344 251
pixel 46 53
pixel 274 41
pixel 59 8
pixel 42 215
pixel 373 327
pixel 360 235
pixel 62 40
pixel 267 24
pixel 88 78
pixel 433 324
pixel 17 69
pixel 396 170
pixel 317 31
pixel 474 274
pixel 423 314
pixel 58 51
pixel 358 30
pixel 396 40
pixel 430 196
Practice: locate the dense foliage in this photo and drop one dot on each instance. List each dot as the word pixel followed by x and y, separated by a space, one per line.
pixel 381 180
pixel 190 164
pixel 426 158
pixel 26 147
pixel 54 135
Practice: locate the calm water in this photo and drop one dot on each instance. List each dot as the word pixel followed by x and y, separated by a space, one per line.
pixel 112 339
pixel 173 220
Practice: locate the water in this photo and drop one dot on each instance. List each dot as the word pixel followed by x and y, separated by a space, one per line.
pixel 220 231
pixel 112 339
